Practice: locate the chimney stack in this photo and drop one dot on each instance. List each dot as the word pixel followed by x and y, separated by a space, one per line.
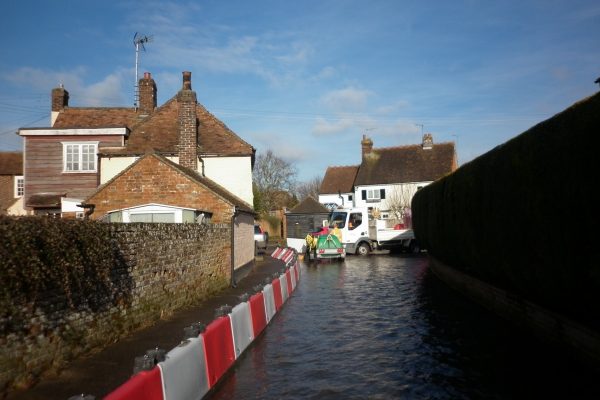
pixel 188 124
pixel 427 141
pixel 60 101
pixel 147 93
pixel 367 146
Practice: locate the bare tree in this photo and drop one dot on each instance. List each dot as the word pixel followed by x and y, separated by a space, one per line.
pixel 272 175
pixel 398 202
pixel 309 188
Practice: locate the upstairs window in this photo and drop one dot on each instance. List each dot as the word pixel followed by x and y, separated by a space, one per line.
pixel 80 157
pixel 19 186
pixel 373 195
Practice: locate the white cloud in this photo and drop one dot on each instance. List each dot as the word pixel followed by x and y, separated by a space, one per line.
pixel 325 127
pixel 107 91
pixel 349 99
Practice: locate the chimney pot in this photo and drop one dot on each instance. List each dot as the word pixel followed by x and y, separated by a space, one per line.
pixel 366 145
pixel 187 80
pixel 427 141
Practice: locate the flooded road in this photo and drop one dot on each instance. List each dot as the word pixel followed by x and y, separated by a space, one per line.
pixel 384 327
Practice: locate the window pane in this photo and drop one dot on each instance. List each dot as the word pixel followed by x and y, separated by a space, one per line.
pixel 140 217
pixel 163 217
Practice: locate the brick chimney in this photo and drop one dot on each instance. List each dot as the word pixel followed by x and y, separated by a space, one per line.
pixel 427 141
pixel 188 124
pixel 147 91
pixel 60 101
pixel 367 146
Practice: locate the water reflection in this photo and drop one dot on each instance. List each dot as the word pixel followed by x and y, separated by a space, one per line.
pixel 383 327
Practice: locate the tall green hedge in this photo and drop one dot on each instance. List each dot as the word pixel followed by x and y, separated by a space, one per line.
pixel 524 216
pixel 52 264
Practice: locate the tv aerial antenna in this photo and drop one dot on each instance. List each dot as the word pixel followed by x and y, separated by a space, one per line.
pixel 139 40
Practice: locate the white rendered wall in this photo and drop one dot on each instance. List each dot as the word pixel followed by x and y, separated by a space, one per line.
pixel 112 166
pixel 233 173
pixel 334 198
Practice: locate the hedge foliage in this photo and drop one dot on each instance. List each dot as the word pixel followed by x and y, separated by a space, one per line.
pixel 49 263
pixel 523 216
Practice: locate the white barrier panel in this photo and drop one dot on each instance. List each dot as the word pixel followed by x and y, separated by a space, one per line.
pixel 269 302
pixel 293 275
pixel 284 288
pixel 184 371
pixel 241 327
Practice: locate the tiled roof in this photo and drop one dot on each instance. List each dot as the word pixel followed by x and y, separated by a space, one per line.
pixel 46 200
pixel 11 163
pixel 95 117
pixel 406 164
pixel 309 206
pixel 159 131
pixel 339 179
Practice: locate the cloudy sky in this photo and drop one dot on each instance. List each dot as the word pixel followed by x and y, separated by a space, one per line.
pixel 307 79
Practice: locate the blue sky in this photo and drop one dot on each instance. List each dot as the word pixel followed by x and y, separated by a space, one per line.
pixel 307 79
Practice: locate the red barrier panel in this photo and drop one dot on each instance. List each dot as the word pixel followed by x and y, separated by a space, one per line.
pixel 257 311
pixel 146 385
pixel 277 293
pixel 288 278
pixel 218 348
pixel 297 272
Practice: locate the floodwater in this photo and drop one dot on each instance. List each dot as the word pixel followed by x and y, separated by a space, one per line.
pixel 384 327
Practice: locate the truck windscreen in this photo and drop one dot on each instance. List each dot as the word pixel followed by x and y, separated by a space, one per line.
pixel 338 218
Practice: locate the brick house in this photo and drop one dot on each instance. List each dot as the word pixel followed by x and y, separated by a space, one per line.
pixel 87 146
pixel 156 189
pixel 387 178
pixel 11 183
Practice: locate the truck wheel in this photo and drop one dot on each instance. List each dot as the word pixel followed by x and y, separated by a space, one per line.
pixel 363 249
pixel 414 247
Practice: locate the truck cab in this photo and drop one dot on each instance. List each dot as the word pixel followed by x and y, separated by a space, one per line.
pixel 354 225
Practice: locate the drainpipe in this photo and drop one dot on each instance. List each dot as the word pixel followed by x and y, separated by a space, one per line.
pixel 89 209
pixel 235 214
pixel 341 197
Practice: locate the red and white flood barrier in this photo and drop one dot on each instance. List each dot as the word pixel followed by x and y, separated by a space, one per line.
pixel 193 368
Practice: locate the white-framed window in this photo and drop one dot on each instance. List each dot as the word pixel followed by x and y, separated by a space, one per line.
pixel 19 186
pixel 373 194
pixel 79 156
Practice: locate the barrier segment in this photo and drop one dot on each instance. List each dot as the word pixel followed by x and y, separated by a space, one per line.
pixel 258 313
pixel 145 385
pixel 184 371
pixel 293 276
pixel 284 288
pixel 276 252
pixel 270 308
pixel 241 327
pixel 288 280
pixel 218 348
pixel 277 293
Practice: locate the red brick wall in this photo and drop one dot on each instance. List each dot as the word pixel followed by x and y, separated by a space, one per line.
pixel 153 181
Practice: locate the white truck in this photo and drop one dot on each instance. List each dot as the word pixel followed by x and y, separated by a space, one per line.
pixel 362 233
